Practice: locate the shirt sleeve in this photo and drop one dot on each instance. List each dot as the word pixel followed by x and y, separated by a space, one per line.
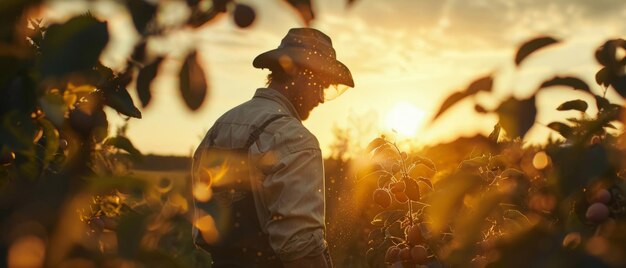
pixel 293 193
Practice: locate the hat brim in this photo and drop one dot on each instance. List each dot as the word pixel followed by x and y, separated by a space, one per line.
pixel 328 67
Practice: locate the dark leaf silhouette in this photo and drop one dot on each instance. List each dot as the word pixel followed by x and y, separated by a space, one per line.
pixel 481 84
pixel 606 54
pixel 602 103
pixel 572 82
pixel 200 17
pixel 118 98
pixel 244 15
pixel 375 144
pixel 305 10
pixel 387 217
pixel 220 5
pixel 73 46
pixel 603 77
pixel 144 80
pixel 619 84
pixel 517 116
pixel 533 45
pixel 142 13
pixel 563 129
pixel 139 52
pixel 578 105
pixel 123 143
pixel 193 85
pixel 480 109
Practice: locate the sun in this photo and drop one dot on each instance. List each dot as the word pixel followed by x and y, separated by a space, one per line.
pixel 405 118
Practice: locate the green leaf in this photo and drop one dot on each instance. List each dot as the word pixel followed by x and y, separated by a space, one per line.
pixel 517 116
pixel 118 98
pixel 572 82
pixel 578 105
pixel 481 84
pixel 144 80
pixel 531 46
pixel 73 46
pixel 193 84
pixel 563 129
pixel 125 144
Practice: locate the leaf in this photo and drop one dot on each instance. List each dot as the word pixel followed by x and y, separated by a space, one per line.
pixel 387 217
pixel 427 182
pixel 73 46
pixel 54 106
pixel 517 116
pixel 142 13
pixel 377 142
pixel 572 82
pixel 602 103
pixel 125 144
pixel 563 129
pixel 480 109
pixel 531 46
pixel 51 135
pixel 144 80
pixel 495 133
pixel 193 85
pixel 481 84
pixel 304 8
pixel 578 105
pixel 603 77
pixel 118 98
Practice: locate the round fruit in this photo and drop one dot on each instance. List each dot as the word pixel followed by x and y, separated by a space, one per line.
pixel 412 189
pixel 401 197
pixel 382 198
pixel 572 240
pixel 244 15
pixel 597 212
pixel 63 144
pixel 414 235
pixel 419 254
pixel 405 254
pixel 398 187
pixel 392 254
pixel 602 196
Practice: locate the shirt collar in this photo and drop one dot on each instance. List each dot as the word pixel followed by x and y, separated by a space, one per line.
pixel 272 94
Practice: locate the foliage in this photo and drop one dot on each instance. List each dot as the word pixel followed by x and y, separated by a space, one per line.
pixel 503 204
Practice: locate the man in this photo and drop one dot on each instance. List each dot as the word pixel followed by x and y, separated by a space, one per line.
pixel 265 169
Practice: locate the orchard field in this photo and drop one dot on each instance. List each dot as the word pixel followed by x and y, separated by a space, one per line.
pixel 76 193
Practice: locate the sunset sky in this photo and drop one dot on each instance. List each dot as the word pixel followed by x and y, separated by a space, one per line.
pixel 409 54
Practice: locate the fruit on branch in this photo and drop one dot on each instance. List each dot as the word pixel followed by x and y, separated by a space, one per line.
pixel 597 212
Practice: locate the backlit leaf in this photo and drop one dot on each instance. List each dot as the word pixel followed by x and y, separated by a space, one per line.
pixel 531 46
pixel 142 13
pixel 125 144
pixel 118 98
pixel 481 84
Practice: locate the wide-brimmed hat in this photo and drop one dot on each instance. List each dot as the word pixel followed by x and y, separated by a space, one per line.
pixel 309 48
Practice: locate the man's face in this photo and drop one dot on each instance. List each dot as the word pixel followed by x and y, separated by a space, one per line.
pixel 305 92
